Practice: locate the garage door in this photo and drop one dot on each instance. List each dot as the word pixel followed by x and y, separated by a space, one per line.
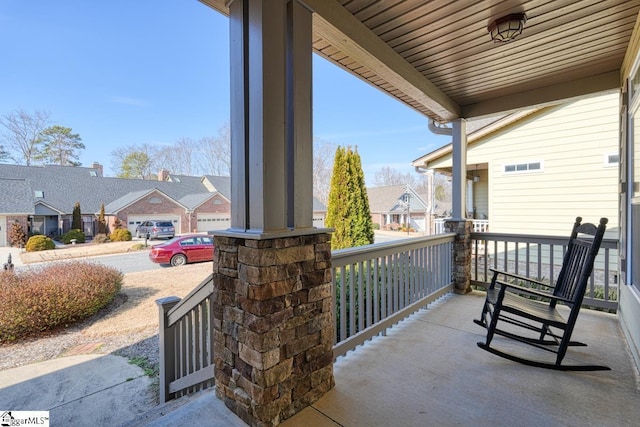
pixel 418 224
pixel 134 220
pixel 318 220
pixel 211 222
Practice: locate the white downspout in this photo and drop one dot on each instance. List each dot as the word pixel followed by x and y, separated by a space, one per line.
pixel 439 129
pixel 459 159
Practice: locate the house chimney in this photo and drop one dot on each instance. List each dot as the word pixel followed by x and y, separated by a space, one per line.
pixel 98 167
pixel 163 175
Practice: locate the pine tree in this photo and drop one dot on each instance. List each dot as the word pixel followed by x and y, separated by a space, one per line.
pixel 76 222
pixel 102 223
pixel 348 207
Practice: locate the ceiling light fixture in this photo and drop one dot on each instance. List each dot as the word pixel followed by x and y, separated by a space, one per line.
pixel 507 28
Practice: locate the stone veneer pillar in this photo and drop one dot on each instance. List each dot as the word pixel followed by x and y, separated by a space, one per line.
pixel 461 254
pixel 273 325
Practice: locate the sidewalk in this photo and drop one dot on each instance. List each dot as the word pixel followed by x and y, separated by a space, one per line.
pixel 83 390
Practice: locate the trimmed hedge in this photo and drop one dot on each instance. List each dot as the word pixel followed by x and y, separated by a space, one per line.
pixel 59 295
pixel 39 243
pixel 75 233
pixel 120 235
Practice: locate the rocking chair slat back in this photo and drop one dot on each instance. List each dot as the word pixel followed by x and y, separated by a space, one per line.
pixel 579 257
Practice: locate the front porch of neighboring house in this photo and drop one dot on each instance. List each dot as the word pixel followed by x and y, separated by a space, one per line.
pixel 478 225
pixel 405 343
pixel 56 225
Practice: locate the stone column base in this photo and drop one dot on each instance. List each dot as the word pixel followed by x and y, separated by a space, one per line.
pixel 461 255
pixel 273 325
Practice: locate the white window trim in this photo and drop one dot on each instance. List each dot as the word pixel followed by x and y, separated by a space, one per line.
pixel 517 172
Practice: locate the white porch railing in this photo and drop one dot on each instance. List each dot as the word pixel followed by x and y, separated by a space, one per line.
pixel 375 287
pixel 378 285
pixel 540 258
pixel 390 281
pixel 479 225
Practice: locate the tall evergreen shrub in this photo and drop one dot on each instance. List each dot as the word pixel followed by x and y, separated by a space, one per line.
pixel 348 207
pixel 76 222
pixel 102 223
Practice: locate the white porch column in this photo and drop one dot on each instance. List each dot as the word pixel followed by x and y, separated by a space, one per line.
pixel 271 135
pixel 459 159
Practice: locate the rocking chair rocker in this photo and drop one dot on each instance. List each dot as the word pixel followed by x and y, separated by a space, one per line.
pixel 509 302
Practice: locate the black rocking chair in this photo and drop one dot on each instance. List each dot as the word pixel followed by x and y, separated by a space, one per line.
pixel 510 300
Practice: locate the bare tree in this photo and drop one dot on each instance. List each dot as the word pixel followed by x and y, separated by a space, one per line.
pixel 22 134
pixel 215 153
pixel 178 158
pixel 442 187
pixel 389 176
pixel 323 154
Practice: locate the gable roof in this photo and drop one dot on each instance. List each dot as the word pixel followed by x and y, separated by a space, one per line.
pixel 318 206
pixel 192 201
pixel 64 185
pixel 17 197
pixel 221 184
pixel 124 201
pixel 386 199
pixel 476 130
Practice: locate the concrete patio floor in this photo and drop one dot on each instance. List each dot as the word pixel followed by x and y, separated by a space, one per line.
pixel 428 371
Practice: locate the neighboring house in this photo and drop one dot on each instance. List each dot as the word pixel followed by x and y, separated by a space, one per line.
pixel 390 205
pixel 533 172
pixel 41 198
pixel 16 204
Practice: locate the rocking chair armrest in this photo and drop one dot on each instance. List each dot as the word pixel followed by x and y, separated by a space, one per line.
pixel 534 292
pixel 523 278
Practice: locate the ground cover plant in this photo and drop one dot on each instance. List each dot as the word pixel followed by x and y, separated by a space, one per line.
pixel 37 301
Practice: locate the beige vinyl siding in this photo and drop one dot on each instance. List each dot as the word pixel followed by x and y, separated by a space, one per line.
pixel 570 141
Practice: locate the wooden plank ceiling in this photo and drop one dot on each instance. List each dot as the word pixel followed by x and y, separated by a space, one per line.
pixel 437 56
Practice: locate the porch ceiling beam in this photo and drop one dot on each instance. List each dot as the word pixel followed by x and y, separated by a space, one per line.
pixel 543 96
pixel 345 32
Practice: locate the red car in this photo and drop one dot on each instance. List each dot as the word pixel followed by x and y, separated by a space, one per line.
pixel 182 250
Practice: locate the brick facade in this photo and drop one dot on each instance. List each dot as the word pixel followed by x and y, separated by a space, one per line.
pixel 159 204
pixel 23 220
pixel 273 325
pixel 155 203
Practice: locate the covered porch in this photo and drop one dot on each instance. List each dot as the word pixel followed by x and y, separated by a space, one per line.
pixel 272 299
pixel 427 370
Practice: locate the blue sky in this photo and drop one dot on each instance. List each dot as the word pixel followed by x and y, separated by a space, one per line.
pixel 124 72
